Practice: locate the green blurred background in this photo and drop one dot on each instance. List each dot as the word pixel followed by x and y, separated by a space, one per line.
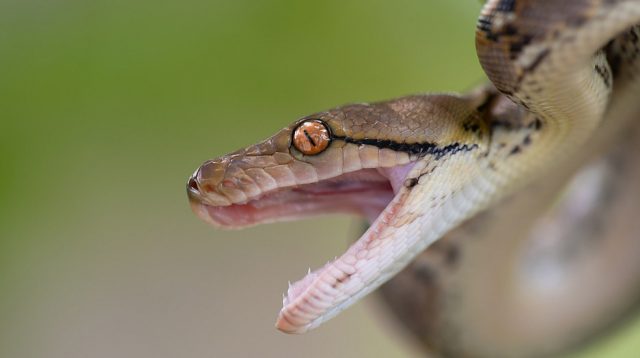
pixel 106 107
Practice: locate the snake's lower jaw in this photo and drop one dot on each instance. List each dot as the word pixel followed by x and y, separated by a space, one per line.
pixel 392 241
pixel 324 293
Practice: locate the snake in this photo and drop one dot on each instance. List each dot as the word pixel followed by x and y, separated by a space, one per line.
pixel 500 221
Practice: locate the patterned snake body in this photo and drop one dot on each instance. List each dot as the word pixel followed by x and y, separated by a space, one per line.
pixel 565 90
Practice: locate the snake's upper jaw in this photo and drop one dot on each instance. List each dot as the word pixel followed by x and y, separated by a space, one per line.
pixel 365 192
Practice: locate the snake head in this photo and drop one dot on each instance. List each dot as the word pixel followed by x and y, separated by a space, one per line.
pixel 363 159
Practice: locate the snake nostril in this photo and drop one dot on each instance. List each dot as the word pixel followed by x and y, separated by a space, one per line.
pixel 192 185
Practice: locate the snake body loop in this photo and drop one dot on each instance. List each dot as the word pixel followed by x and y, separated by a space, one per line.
pixel 473 179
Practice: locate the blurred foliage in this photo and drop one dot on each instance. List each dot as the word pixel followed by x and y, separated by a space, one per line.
pixel 107 107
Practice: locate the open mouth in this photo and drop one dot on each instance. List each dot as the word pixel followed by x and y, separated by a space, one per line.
pixel 367 192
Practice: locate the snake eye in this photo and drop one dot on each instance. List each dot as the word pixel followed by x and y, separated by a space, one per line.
pixel 311 137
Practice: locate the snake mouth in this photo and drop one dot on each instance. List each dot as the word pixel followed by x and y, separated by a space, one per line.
pixel 316 297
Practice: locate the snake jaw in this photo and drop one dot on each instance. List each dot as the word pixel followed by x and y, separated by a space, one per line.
pixel 325 292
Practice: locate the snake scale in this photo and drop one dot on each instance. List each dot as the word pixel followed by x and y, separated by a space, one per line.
pixel 501 220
